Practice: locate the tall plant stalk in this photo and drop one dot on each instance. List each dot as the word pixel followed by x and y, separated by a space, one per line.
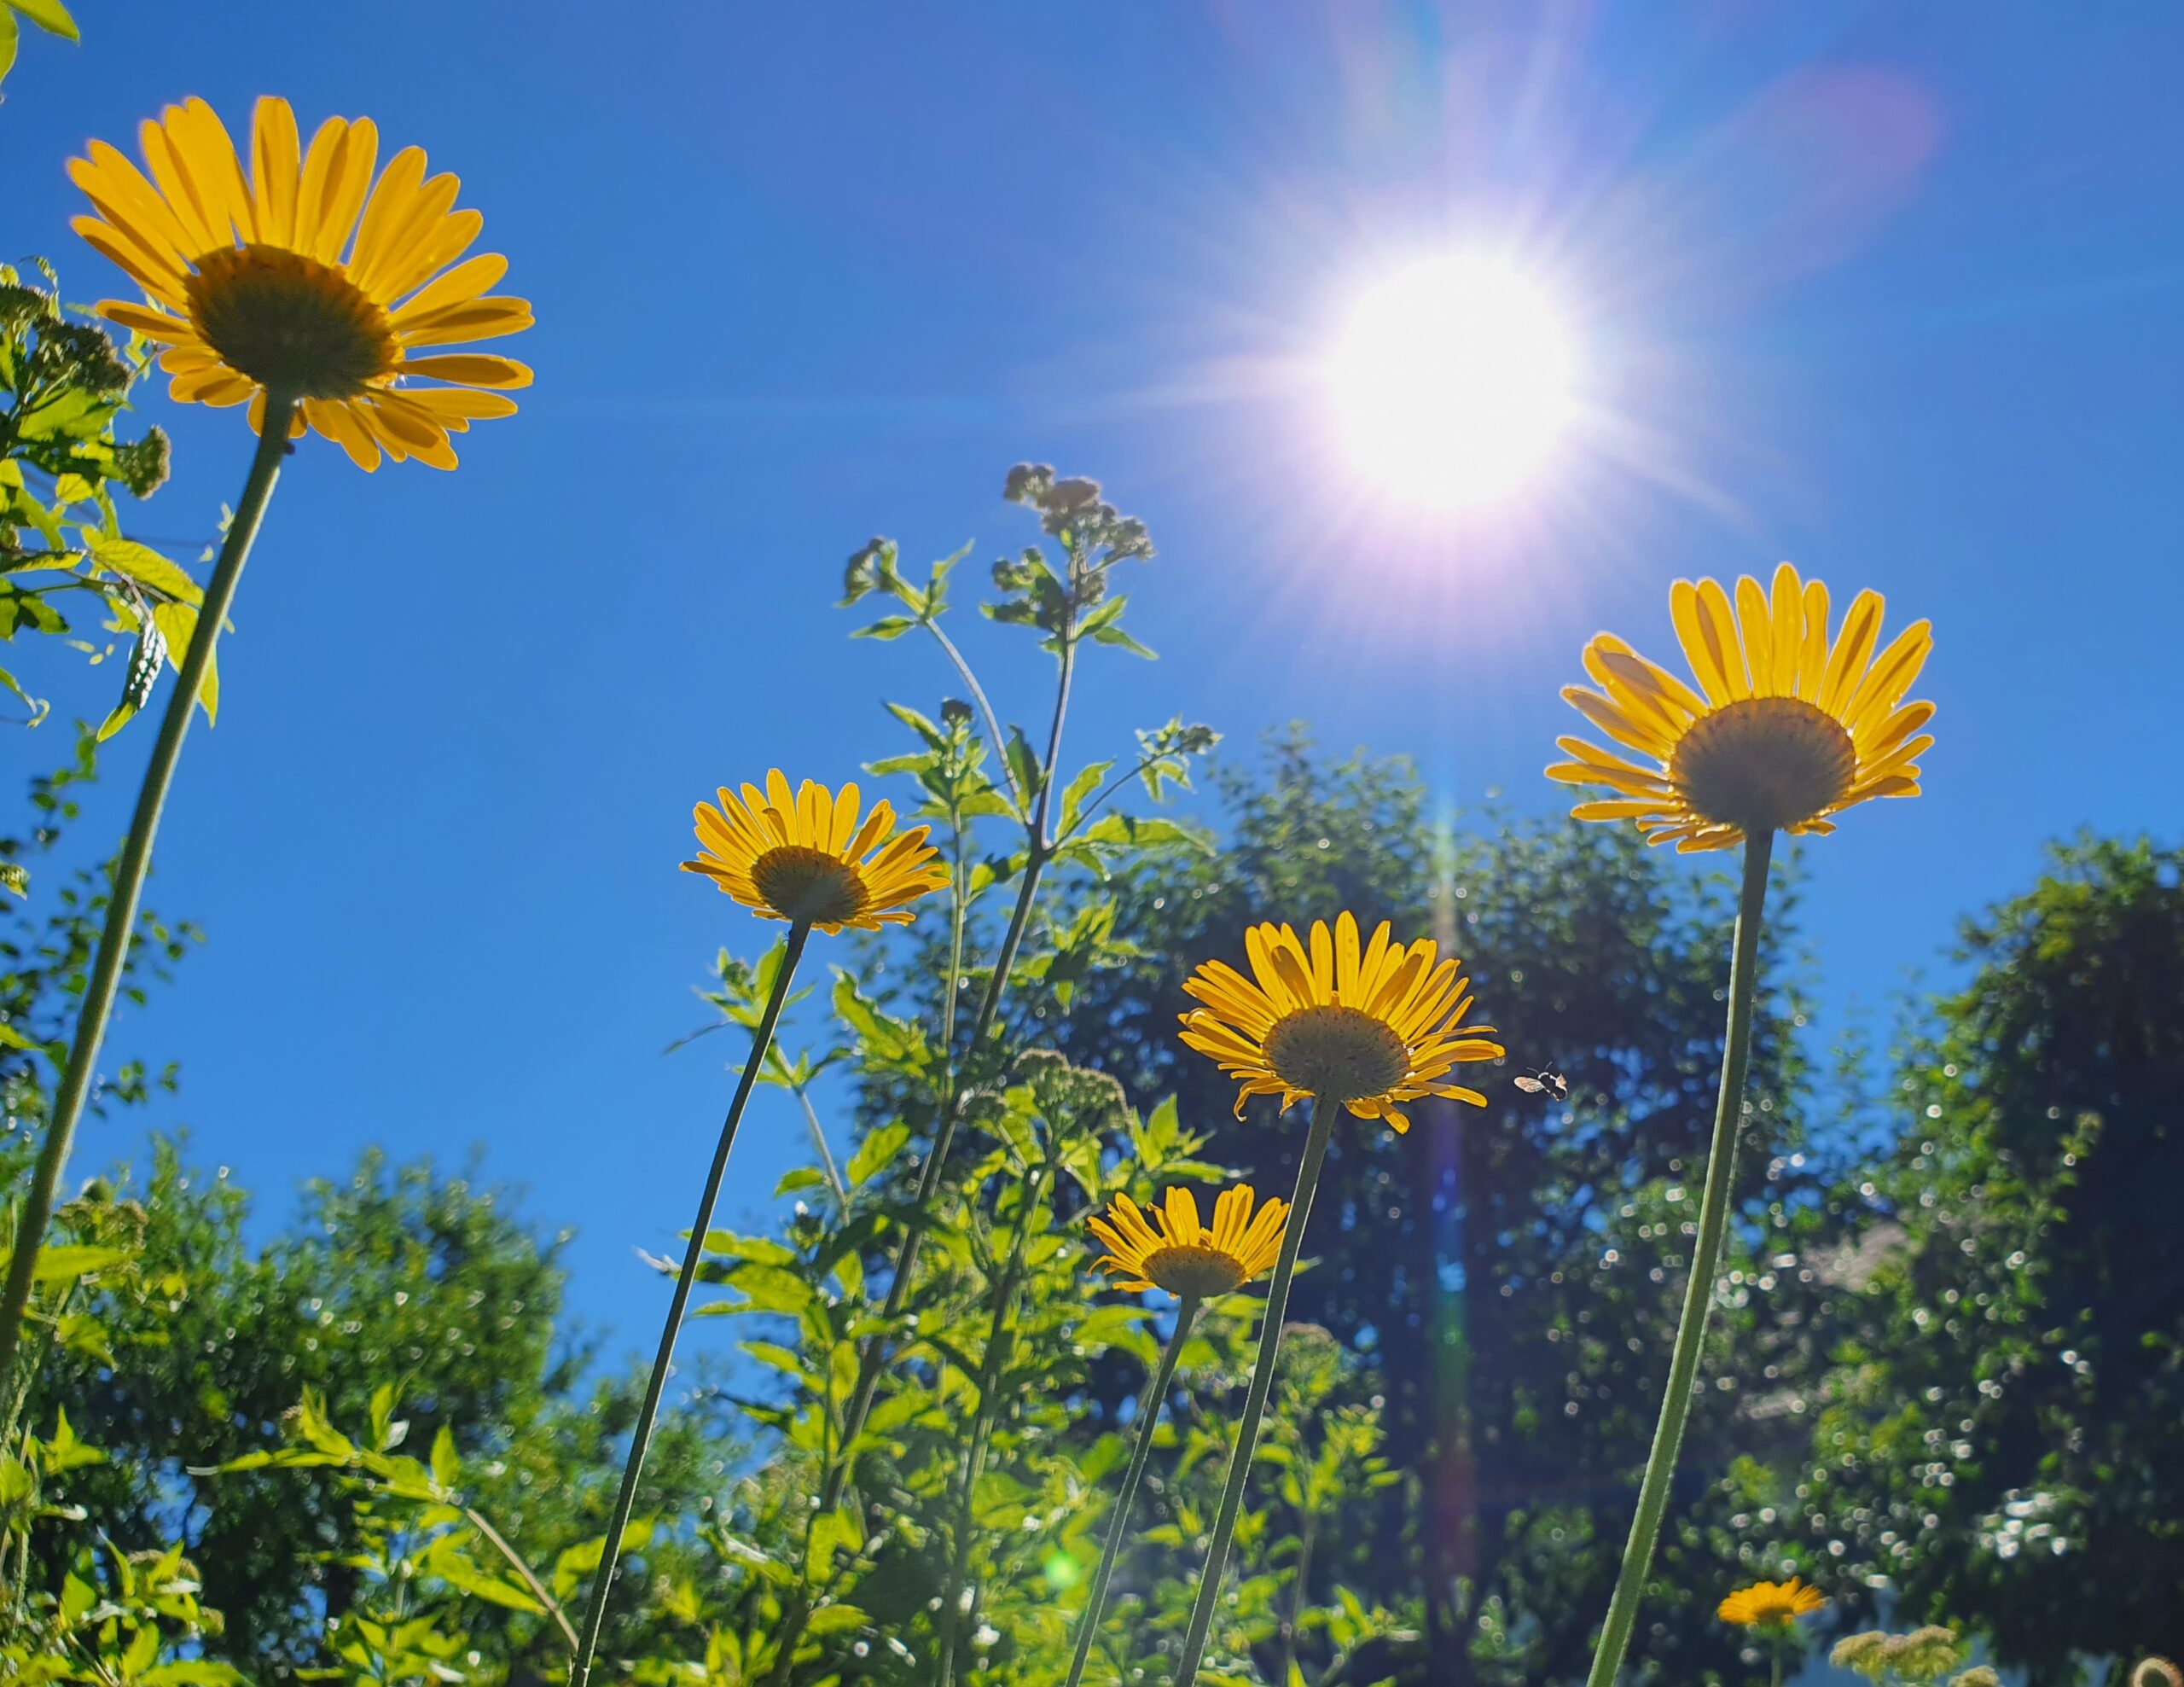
pixel 1038 851
pixel 1247 1432
pixel 1148 1417
pixel 1706 1261
pixel 135 862
pixel 954 1612
pixel 595 1616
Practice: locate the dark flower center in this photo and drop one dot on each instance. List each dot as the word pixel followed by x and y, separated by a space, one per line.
pixel 809 884
pixel 1764 763
pixel 1193 1271
pixel 1337 1054
pixel 290 323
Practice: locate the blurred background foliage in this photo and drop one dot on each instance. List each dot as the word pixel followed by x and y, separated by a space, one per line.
pixel 364 1444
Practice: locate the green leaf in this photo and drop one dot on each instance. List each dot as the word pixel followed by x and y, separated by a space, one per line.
pixel 768 1289
pixel 143 1651
pixel 1078 790
pixel 830 1531
pixel 66 1263
pixel 1121 639
pixel 9 33
pixel 799 1177
pixel 780 1358
pixel 177 624
pixel 886 627
pixel 571 1568
pixel 141 564
pixel 877 1152
pixel 835 1619
pixel 447 1463
pixel 49 15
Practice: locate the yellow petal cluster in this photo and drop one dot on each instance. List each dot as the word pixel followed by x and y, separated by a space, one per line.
pixel 802 855
pixel 1786 726
pixel 1371 1027
pixel 309 277
pixel 1168 1248
pixel 1769 1603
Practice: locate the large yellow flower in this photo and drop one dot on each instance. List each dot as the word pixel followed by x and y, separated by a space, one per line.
pixel 1786 729
pixel 1370 1028
pixel 803 856
pixel 308 279
pixel 1770 1604
pixel 1173 1252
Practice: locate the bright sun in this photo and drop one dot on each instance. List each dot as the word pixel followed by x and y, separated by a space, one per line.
pixel 1452 382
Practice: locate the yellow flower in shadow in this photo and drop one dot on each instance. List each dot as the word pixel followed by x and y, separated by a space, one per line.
pixel 1770 1605
pixel 1168 1248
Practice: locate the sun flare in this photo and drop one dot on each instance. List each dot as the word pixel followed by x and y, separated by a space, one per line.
pixel 1454 380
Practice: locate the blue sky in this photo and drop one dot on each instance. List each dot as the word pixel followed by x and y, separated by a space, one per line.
pixel 1859 285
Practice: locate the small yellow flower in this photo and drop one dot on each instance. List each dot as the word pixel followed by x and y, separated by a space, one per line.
pixel 1770 1605
pixel 308 279
pixel 1167 1250
pixel 1786 729
pixel 1370 1029
pixel 803 856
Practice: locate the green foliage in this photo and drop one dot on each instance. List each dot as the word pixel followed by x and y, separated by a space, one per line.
pixel 2003 1434
pixel 63 387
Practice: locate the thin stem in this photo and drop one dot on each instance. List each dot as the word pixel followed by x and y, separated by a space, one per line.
pixel 500 1544
pixel 595 1616
pixel 985 708
pixel 129 874
pixel 1308 1531
pixel 1148 1416
pixel 1705 1261
pixel 819 1142
pixel 991 1363
pixel 1247 1433
pixel 872 1356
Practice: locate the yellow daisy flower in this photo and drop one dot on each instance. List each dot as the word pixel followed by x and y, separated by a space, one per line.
pixel 1369 1029
pixel 308 279
pixel 1786 729
pixel 1168 1248
pixel 803 857
pixel 1768 1604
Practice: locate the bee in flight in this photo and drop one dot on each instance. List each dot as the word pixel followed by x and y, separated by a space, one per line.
pixel 1546 1081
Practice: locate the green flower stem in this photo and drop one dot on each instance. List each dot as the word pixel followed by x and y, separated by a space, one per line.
pixel 1706 1261
pixel 595 1616
pixel 1247 1433
pixel 122 902
pixel 1148 1417
pixel 872 1359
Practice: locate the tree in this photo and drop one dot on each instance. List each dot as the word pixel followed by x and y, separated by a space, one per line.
pixel 400 1276
pixel 2004 1440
